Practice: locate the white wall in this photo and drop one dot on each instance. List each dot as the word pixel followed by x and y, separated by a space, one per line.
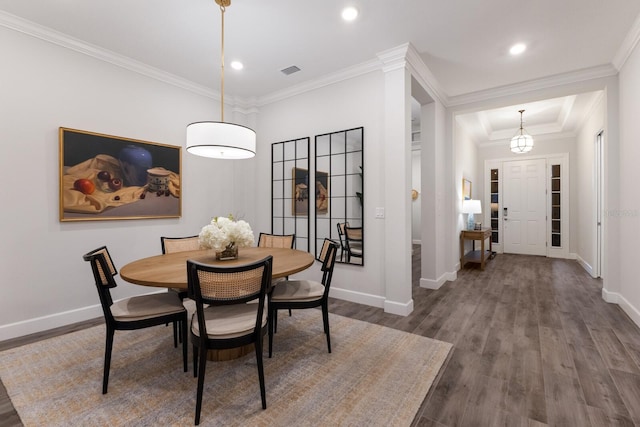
pixel 352 103
pixel 628 208
pixel 416 210
pixel 466 167
pixel 584 164
pixel 45 282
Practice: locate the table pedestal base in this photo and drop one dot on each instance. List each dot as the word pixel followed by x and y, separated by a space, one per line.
pixel 230 353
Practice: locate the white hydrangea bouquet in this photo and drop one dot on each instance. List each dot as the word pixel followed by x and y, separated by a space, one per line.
pixel 225 235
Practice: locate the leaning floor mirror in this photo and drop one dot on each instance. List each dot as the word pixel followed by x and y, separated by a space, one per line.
pixel 339 195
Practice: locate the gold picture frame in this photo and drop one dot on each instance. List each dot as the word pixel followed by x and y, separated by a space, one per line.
pixel 105 177
pixel 466 189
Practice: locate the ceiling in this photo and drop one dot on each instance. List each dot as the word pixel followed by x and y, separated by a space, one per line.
pixel 464 43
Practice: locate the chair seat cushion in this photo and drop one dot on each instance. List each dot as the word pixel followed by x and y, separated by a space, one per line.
pixel 229 321
pixel 297 290
pixel 146 306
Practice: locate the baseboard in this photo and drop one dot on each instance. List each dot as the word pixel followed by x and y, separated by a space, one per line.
pixel 357 297
pixel 626 306
pixel 52 321
pixel 44 323
pixel 401 309
pixel 610 297
pixel 585 265
pixel 417 242
pixel 436 284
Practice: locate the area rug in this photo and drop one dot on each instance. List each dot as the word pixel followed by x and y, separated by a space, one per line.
pixel 375 376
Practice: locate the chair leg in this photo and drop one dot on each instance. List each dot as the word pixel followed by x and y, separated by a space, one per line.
pixel 183 334
pixel 195 361
pixel 263 395
pixel 201 372
pixel 275 321
pixel 175 334
pixel 325 321
pixel 107 359
pixel 270 321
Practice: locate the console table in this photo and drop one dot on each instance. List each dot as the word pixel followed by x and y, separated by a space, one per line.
pixel 475 256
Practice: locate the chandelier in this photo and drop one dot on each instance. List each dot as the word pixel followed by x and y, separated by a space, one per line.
pixel 522 142
pixel 221 140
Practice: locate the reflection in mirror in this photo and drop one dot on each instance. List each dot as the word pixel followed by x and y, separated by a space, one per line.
pixel 339 198
pixel 289 190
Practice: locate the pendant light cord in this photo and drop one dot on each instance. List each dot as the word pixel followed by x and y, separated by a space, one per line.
pixel 222 9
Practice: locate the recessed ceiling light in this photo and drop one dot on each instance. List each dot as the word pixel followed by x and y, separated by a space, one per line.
pixel 517 49
pixel 349 13
pixel 237 65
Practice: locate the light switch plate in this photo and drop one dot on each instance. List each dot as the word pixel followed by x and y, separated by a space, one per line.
pixel 379 213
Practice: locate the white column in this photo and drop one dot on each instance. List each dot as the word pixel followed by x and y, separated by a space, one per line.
pixel 397 155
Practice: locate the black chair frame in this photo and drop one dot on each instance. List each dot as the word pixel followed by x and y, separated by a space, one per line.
pixel 202 343
pixel 327 273
pixel 99 265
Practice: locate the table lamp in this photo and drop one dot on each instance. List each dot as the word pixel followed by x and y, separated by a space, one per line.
pixel 471 207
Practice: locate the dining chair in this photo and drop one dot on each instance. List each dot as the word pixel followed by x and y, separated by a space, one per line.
pixel 343 247
pixel 132 313
pixel 300 294
pixel 353 239
pixel 179 244
pixel 228 321
pixel 266 240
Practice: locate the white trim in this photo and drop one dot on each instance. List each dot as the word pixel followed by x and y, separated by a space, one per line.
pixel 585 265
pixel 626 306
pixel 43 33
pixel 416 242
pixel 533 85
pixel 44 323
pixel 401 309
pixel 421 72
pixel 330 79
pixel 357 297
pixel 628 45
pixel 413 61
pixel 55 320
pixel 437 284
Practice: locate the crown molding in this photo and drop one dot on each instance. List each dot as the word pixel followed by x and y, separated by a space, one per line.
pixel 628 45
pixel 32 29
pixel 327 80
pixel 606 70
pixel 394 58
pixel 423 75
pixel 536 138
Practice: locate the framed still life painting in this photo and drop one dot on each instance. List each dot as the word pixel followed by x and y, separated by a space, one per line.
pixel 104 177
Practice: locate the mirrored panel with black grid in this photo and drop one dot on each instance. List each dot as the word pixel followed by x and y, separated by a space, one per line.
pixel 339 195
pixel 290 190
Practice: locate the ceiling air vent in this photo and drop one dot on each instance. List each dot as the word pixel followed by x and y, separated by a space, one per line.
pixel 290 70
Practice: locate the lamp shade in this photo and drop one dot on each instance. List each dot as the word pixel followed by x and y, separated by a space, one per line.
pixel 221 140
pixel 471 206
pixel 521 143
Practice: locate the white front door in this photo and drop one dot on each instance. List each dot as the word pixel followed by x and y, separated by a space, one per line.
pixel 524 207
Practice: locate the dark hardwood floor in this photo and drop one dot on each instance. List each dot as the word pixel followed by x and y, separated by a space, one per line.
pixel 534 344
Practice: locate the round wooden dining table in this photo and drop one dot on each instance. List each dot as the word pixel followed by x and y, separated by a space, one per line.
pixel 170 270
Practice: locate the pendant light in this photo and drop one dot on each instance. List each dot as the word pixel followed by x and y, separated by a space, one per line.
pixel 522 142
pixel 221 140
